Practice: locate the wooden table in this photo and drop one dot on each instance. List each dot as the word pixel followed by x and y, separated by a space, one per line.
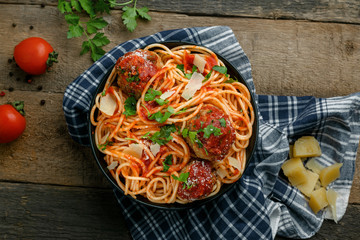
pixel 51 187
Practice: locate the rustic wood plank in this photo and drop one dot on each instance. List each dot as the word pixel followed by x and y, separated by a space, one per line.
pixel 329 11
pixel 280 52
pixel 33 211
pixel 29 211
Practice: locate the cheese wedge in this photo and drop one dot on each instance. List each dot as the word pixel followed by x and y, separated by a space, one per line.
pixel 318 200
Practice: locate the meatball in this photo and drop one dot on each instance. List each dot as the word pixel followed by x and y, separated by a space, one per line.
pixel 135 69
pixel 200 182
pixel 214 133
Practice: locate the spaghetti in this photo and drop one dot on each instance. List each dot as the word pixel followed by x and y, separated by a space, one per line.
pixel 172 124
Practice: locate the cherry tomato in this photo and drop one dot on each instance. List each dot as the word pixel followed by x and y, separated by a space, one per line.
pixel 12 123
pixel 34 55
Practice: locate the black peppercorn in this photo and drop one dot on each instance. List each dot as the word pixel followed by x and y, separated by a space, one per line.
pixel 42 102
pixel 31 27
pixel 10 60
pixel 11 74
pixel 39 88
pixel 14 24
pixel 11 89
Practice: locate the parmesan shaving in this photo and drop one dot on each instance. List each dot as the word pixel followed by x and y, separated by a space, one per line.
pixel 155 148
pixel 134 149
pixel 221 173
pixel 166 94
pixel 108 104
pixel 199 62
pixel 234 162
pixel 112 165
pixel 193 85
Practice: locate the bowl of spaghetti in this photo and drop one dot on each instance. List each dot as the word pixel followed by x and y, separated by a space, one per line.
pixel 173 125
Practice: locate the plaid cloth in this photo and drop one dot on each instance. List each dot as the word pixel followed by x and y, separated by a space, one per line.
pixel 261 204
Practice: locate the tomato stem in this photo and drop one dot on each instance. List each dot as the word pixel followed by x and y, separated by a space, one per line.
pixel 52 59
pixel 19 106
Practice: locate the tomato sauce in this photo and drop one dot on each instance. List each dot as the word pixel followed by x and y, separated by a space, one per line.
pixel 199 183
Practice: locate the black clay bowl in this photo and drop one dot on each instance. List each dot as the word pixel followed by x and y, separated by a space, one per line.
pixel 99 157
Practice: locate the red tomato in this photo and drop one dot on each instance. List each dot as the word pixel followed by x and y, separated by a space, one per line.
pixel 12 123
pixel 34 55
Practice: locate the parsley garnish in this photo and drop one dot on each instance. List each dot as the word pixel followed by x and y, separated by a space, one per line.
pixel 103 93
pixel 104 145
pixel 183 177
pixel 211 129
pixel 161 101
pixel 133 78
pixel 189 75
pixel 161 118
pixel 130 106
pixel 94 39
pixel 181 111
pixel 181 67
pixel 151 94
pixel 193 136
pixel 222 122
pixel 231 80
pixel 163 136
pixel 207 76
pixel 220 69
pixel 166 163
pixel 131 139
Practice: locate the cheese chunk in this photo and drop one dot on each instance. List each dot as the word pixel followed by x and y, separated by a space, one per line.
pixel 318 200
pixel 306 146
pixel 295 171
pixel 330 174
pixel 331 197
pixel 314 165
pixel 310 182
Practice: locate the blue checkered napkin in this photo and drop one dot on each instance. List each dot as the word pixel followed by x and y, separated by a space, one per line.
pixel 260 204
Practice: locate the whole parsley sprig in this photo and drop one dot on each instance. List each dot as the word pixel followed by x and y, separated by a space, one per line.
pixel 95 41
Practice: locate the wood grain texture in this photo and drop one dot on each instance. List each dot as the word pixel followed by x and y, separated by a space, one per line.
pixel 33 211
pixel 282 55
pixel 313 10
pixel 29 211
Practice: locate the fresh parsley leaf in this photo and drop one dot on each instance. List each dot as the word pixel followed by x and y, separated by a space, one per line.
pixel 164 135
pixel 207 76
pixel 96 52
pixel 102 6
pixel 151 94
pixel 75 31
pixel 95 24
pixel 180 66
pixel 183 177
pixel 211 129
pixel 130 106
pixel 103 146
pixel 129 18
pixel 64 6
pixel 143 13
pixel 100 40
pixel 167 162
pixel 103 93
pixel 87 5
pixel 181 111
pixel 161 118
pixel 72 19
pixel 161 101
pixel 189 75
pixel 85 47
pixel 131 139
pixel 185 132
pixel 220 69
pixel 146 135
pixel 75 5
pixel 222 122
pixel 133 78
pixel 231 80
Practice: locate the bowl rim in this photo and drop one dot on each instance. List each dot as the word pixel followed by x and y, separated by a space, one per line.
pixel 174 206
